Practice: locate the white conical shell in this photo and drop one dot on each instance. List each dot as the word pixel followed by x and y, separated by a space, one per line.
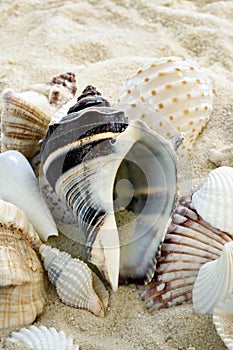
pixel 189 243
pixel 43 338
pixel 223 320
pixel 19 186
pixel 177 88
pixel 75 283
pixel 214 281
pixel 214 200
pixel 22 277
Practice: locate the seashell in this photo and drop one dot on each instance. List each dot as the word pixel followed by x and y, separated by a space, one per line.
pixel 22 284
pixel 214 281
pixel 176 88
pixel 214 200
pixel 189 243
pixel 75 283
pixel 26 115
pixel 222 156
pixel 223 320
pixel 19 186
pixel 98 164
pixel 41 338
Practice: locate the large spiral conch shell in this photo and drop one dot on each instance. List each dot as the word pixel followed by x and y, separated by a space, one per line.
pixel 43 338
pixel 98 164
pixel 26 115
pixel 22 284
pixel 76 284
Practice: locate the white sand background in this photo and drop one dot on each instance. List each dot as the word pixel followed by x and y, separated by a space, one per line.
pixel 104 42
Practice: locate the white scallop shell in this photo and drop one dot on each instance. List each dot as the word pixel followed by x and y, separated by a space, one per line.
pixel 223 320
pixel 175 87
pixel 43 338
pixel 214 281
pixel 76 284
pixel 19 186
pixel 214 200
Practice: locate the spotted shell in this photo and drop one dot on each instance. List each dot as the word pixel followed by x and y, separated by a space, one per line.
pixel 76 284
pixel 86 156
pixel 26 115
pixel 41 338
pixel 223 320
pixel 19 185
pixel 22 277
pixel 175 87
pixel 189 243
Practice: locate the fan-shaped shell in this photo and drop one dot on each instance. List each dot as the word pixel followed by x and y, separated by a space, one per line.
pixel 214 281
pixel 214 200
pixel 175 87
pixel 43 338
pixel 22 285
pixel 26 115
pixel 75 283
pixel 189 243
pixel 19 186
pixel 223 320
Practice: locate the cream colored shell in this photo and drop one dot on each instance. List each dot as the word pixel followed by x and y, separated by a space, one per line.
pixel 43 338
pixel 175 87
pixel 76 284
pixel 223 320
pixel 22 284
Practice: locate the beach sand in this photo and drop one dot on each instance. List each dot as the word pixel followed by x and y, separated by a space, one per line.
pixel 104 42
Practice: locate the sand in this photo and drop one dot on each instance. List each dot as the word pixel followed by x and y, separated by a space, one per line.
pixel 104 42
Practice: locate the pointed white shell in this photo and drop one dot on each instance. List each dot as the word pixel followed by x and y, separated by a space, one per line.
pixel 214 200
pixel 19 186
pixel 43 338
pixel 214 281
pixel 223 320
pixel 75 283
pixel 175 87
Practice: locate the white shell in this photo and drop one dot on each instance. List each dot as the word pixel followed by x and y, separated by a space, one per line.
pixel 175 87
pixel 222 156
pixel 214 281
pixel 223 320
pixel 76 284
pixel 19 186
pixel 214 200
pixel 43 338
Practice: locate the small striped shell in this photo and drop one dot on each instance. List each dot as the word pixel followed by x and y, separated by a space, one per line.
pixel 214 200
pixel 175 87
pixel 189 243
pixel 22 277
pixel 223 320
pixel 43 338
pixel 76 284
pixel 26 115
pixel 214 282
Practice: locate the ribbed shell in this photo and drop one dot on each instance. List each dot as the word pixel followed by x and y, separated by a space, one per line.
pixel 175 87
pixel 223 320
pixel 22 284
pixel 43 338
pixel 189 243
pixel 19 185
pixel 214 200
pixel 214 282
pixel 75 283
pixel 26 115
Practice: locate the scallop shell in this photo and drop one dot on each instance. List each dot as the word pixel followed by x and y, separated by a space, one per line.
pixel 92 157
pixel 22 285
pixel 75 283
pixel 222 156
pixel 41 338
pixel 214 281
pixel 214 200
pixel 189 243
pixel 19 186
pixel 223 320
pixel 26 115
pixel 175 87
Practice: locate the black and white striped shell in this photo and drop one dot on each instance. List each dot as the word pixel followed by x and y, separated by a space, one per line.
pixel 99 165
